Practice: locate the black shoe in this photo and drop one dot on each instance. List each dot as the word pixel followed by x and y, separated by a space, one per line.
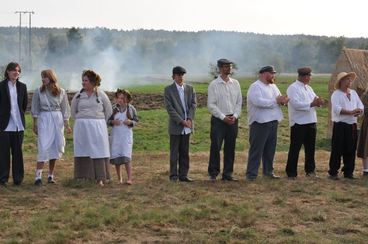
pixel 311 175
pixel 229 178
pixel 333 177
pixel 292 177
pixel 174 179
pixel 186 179
pixel 350 177
pixel 365 174
pixel 50 180
pixel 3 184
pixel 273 177
pixel 17 183
pixel 212 178
pixel 38 182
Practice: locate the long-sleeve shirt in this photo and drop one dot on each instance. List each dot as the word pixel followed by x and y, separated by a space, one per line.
pixel 57 103
pixel 339 101
pixel 301 96
pixel 93 107
pixel 224 98
pixel 261 103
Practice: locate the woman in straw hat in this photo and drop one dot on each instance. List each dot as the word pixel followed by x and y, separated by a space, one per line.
pixel 91 108
pixel 362 151
pixel 346 107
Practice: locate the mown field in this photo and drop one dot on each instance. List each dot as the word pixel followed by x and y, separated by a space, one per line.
pixel 154 210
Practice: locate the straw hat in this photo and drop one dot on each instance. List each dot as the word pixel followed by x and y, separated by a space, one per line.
pixel 342 75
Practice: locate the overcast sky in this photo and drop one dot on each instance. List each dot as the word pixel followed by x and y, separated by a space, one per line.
pixel 311 17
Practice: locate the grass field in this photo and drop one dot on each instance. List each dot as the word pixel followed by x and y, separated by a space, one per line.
pixel 155 210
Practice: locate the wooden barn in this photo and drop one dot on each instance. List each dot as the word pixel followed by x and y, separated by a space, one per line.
pixel 350 60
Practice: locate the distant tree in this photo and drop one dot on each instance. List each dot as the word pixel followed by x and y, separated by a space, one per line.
pixel 75 40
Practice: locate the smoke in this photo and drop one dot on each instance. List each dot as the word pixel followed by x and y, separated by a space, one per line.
pixel 140 57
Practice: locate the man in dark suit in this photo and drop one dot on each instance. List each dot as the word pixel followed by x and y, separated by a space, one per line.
pixel 180 103
pixel 13 104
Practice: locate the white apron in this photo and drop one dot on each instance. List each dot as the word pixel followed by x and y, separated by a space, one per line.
pixel 51 141
pixel 91 138
pixel 121 138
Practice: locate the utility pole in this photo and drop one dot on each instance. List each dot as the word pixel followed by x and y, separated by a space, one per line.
pixel 29 37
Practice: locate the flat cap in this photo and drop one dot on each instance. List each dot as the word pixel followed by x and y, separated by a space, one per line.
pixel 304 71
pixel 178 70
pixel 268 68
pixel 223 61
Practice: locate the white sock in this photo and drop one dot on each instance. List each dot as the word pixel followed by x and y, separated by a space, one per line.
pixel 38 174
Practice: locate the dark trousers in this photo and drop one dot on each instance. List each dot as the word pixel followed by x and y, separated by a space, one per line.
pixel 179 154
pixel 301 135
pixel 222 132
pixel 262 146
pixel 11 141
pixel 343 143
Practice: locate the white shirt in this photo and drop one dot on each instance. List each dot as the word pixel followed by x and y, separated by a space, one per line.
pixel 261 103
pixel 339 101
pixel 15 121
pixel 300 111
pixel 224 98
pixel 180 89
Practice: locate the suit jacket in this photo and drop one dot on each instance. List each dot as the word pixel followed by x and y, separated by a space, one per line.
pixel 175 108
pixel 5 102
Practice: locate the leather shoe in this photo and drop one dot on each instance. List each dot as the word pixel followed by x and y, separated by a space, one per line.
pixel 38 182
pixel 350 177
pixel 333 177
pixel 229 178
pixel 50 180
pixel 174 179
pixel 212 178
pixel 273 177
pixel 186 179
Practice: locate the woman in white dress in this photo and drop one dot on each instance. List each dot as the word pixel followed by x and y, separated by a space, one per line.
pixel 91 108
pixel 123 119
pixel 51 112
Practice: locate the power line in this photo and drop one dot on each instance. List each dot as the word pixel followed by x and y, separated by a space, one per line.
pixel 29 36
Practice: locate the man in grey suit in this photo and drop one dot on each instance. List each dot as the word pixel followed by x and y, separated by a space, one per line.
pixel 180 103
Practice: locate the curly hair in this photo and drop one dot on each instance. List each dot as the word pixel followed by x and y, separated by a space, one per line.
pixel 93 77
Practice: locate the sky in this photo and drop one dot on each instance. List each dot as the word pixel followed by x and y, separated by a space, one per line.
pixel 310 17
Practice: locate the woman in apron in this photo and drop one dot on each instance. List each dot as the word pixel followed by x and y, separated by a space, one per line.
pixel 91 108
pixel 51 112
pixel 123 119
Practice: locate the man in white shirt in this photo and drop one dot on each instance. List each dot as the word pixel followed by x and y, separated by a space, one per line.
pixel 224 103
pixel 345 108
pixel 264 113
pixel 13 103
pixel 302 119
pixel 180 102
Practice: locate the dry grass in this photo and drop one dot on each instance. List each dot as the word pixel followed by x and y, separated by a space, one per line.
pixel 156 210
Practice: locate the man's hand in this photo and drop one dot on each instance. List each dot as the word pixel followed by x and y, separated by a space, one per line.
pixel 230 120
pixel 317 102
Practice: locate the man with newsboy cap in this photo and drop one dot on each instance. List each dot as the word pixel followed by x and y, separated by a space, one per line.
pixel 180 102
pixel 264 113
pixel 302 120
pixel 224 103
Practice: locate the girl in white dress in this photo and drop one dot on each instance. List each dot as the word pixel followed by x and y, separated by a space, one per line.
pixel 123 119
pixel 51 112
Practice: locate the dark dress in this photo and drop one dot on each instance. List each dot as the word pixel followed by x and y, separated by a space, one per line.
pixel 362 151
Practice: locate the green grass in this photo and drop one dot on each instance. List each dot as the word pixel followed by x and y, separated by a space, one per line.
pixel 155 210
